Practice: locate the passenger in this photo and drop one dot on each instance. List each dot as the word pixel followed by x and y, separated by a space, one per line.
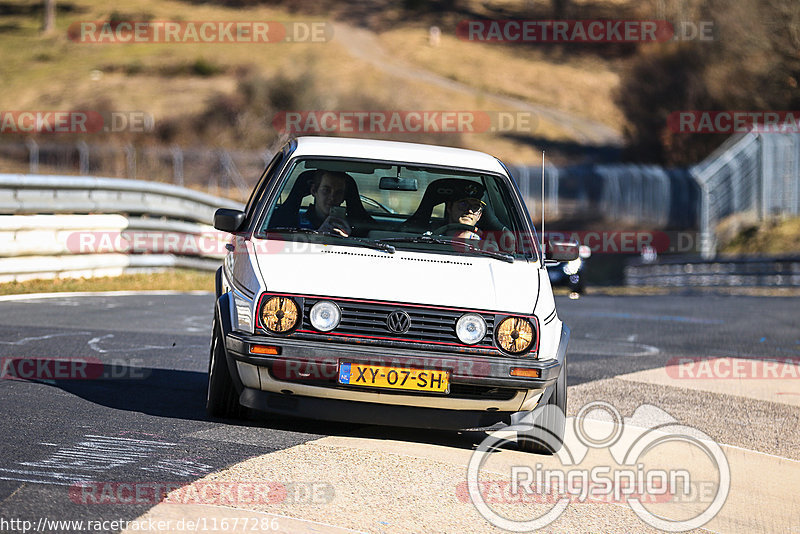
pixel 466 208
pixel 328 190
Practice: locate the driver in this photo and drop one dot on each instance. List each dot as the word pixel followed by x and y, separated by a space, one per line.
pixel 328 190
pixel 465 207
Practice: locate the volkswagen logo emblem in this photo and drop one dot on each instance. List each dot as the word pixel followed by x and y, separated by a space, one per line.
pixel 398 322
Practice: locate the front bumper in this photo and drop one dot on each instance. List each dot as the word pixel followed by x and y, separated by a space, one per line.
pixel 302 381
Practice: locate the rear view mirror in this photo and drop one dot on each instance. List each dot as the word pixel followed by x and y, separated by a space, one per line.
pixel 561 251
pixel 228 220
pixel 399 184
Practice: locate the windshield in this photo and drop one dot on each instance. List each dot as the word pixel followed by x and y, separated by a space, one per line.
pixel 412 207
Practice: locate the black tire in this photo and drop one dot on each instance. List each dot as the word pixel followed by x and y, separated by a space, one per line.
pixel 221 399
pixel 547 434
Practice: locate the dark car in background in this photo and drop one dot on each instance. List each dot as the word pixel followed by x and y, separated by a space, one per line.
pixel 571 274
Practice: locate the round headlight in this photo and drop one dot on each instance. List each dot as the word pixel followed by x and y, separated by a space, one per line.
pixel 279 314
pixel 325 315
pixel 515 335
pixel 470 328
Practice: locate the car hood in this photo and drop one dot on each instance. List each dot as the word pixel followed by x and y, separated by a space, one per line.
pixel 461 281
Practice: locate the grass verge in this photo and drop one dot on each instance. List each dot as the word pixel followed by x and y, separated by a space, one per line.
pixel 580 86
pixel 176 280
pixel 772 237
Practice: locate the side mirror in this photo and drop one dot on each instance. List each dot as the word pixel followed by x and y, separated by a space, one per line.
pixel 228 220
pixel 561 251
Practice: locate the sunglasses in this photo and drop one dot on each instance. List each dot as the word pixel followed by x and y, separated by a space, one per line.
pixel 471 204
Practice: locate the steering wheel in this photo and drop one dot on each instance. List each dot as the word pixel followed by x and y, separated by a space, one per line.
pixel 458 227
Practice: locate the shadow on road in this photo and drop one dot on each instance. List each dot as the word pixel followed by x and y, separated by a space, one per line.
pixel 177 394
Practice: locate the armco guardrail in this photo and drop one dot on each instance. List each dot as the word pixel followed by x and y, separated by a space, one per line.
pixel 67 226
pixel 26 194
pixel 722 272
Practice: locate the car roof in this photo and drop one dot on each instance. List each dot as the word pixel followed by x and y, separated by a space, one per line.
pixel 398 151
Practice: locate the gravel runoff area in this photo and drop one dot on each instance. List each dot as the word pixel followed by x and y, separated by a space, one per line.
pixel 756 425
pixel 392 487
pixel 382 480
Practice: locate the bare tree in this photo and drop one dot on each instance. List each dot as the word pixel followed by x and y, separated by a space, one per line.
pixel 49 22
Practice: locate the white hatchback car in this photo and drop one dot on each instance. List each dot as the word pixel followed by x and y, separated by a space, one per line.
pixel 387 283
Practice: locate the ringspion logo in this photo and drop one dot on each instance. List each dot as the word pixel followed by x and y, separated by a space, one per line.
pixel 648 461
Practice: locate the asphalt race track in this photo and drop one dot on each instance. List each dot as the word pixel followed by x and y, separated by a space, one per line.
pixel 135 418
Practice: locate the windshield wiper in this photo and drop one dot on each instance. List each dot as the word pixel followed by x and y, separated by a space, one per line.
pixel 439 241
pixel 375 245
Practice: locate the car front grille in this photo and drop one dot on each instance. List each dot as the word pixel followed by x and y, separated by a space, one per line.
pixel 370 320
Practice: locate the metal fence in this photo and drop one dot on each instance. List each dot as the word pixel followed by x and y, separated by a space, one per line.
pixel 217 171
pixel 756 174
pixel 624 194
pixel 748 173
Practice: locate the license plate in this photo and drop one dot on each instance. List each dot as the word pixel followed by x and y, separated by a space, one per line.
pixel 378 376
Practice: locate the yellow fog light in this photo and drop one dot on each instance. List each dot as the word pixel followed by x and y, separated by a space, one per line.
pixel 515 335
pixel 279 314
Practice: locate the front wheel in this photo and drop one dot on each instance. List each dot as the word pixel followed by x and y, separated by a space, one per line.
pixel 221 399
pixel 546 435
